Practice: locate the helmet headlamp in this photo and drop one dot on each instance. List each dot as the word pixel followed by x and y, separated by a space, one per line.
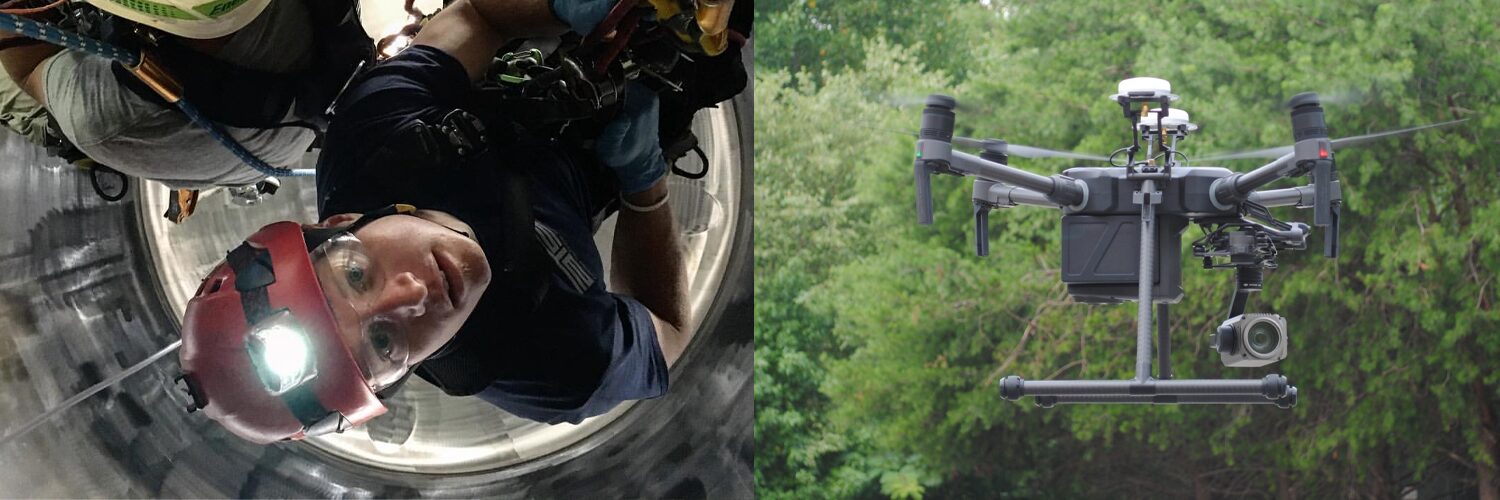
pixel 281 353
pixel 265 310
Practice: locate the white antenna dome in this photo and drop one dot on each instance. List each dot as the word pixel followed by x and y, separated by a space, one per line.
pixel 1145 84
pixel 1144 88
pixel 1174 118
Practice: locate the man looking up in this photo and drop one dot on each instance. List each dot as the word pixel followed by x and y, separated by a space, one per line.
pixel 492 288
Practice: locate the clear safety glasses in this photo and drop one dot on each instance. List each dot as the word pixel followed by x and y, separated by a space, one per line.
pixel 353 283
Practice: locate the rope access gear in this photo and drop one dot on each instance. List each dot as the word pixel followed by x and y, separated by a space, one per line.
pixel 149 71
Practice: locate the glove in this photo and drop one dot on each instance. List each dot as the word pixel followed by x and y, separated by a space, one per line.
pixel 582 16
pixel 630 145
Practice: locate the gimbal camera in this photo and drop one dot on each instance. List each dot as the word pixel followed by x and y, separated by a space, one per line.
pixel 1122 227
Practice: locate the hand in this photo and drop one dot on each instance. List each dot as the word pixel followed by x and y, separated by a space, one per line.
pixel 630 145
pixel 582 16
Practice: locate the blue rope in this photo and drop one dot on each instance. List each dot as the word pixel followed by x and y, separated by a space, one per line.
pixel 51 34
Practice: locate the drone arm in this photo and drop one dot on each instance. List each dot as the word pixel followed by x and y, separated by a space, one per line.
pixel 990 195
pixel 1231 190
pixel 1300 196
pixel 1057 189
pixel 1280 168
pixel 1001 195
pixel 980 167
pixel 1022 196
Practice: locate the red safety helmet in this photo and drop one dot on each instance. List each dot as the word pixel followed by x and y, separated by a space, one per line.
pixel 261 350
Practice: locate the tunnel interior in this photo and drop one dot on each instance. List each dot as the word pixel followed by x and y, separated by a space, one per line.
pixel 91 294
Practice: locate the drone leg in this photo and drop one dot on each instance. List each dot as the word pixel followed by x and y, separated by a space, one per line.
pixel 1331 237
pixel 1163 344
pixel 1147 199
pixel 981 229
pixel 922 177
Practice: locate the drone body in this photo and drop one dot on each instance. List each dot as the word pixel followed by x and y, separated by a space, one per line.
pixel 1122 227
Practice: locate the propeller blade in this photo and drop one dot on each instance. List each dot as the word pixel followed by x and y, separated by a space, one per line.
pixel 1035 152
pixel 1345 97
pixel 1277 152
pixel 1361 139
pixel 1020 150
pixel 1025 151
pixel 966 142
pixel 911 100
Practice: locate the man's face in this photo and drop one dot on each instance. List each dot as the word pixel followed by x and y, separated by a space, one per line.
pixel 400 288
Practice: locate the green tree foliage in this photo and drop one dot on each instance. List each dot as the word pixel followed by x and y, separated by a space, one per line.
pixel 879 341
pixel 809 36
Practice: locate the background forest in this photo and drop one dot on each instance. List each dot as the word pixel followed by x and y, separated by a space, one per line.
pixel 879 341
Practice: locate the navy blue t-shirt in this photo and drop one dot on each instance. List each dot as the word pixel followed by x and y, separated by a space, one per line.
pixel 576 353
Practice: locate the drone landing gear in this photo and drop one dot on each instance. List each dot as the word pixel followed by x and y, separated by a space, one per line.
pixel 1145 389
pixel 1273 389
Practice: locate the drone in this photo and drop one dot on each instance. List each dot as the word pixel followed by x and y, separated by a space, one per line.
pixel 1122 230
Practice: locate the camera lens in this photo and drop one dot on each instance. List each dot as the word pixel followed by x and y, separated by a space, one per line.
pixel 1263 338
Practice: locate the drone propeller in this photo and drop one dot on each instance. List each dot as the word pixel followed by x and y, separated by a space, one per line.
pixel 1020 150
pixel 935 154
pixel 1027 151
pixel 1277 152
pixel 910 100
pixel 1345 97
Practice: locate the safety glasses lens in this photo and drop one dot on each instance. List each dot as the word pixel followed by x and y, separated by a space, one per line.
pixel 352 281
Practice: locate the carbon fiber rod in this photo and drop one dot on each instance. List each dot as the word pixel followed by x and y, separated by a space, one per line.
pixel 1265 174
pixel 1004 173
pixel 1143 306
pixel 1272 386
pixel 1287 401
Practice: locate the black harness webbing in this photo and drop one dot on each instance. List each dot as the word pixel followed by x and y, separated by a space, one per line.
pixel 252 274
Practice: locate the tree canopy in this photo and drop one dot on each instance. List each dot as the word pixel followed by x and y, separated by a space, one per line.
pixel 879 341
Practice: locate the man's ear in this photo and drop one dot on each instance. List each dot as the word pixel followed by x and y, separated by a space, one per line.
pixel 335 221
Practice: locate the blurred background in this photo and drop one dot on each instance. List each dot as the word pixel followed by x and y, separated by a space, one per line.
pixel 879 342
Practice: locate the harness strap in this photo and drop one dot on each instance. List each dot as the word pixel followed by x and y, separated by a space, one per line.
pixel 304 405
pixel 454 139
pixel 252 274
pixel 233 95
pixel 225 93
pixel 54 35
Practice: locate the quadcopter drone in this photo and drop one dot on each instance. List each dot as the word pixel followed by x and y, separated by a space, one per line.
pixel 1122 230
